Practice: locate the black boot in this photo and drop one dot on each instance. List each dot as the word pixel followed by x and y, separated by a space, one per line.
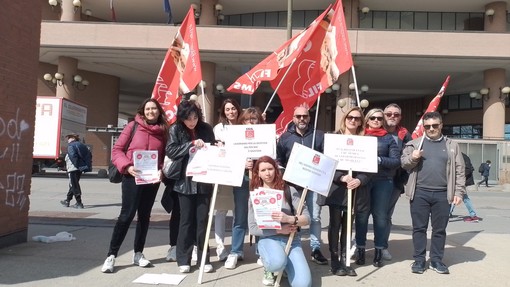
pixel 336 266
pixel 378 258
pixel 360 256
pixel 348 269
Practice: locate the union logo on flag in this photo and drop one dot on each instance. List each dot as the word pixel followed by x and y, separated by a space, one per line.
pixel 350 141
pixel 316 159
pixel 249 133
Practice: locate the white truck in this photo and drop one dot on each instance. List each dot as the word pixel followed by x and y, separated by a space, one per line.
pixel 54 119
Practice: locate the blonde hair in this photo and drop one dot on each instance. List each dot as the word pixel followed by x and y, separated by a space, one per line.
pixel 360 130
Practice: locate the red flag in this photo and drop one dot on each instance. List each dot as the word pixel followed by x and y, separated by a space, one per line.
pixel 325 56
pixel 269 68
pixel 180 71
pixel 418 131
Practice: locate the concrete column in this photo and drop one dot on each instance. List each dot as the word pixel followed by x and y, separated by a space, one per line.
pixel 207 12
pixel 494 107
pixel 497 22
pixel 344 94
pixel 209 76
pixel 69 12
pixel 351 12
pixel 68 67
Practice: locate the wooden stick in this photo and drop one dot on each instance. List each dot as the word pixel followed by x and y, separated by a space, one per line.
pixel 291 236
pixel 207 233
pixel 349 225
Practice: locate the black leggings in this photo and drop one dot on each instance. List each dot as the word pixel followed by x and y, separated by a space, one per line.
pixel 337 220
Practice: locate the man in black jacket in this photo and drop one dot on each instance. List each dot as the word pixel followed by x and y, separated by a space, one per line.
pixel 301 131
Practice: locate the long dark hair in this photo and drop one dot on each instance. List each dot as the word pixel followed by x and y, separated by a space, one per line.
pixel 162 122
pixel 223 118
pixel 186 108
pixel 256 181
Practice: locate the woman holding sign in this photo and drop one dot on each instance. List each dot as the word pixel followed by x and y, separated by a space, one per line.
pixel 189 132
pixel 352 124
pixel 229 114
pixel 147 132
pixel 388 159
pixel 271 245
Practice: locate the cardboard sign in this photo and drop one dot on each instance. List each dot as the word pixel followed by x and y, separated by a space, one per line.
pixel 310 169
pixel 222 166
pixel 358 153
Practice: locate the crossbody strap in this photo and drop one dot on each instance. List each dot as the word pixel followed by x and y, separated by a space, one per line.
pixel 133 130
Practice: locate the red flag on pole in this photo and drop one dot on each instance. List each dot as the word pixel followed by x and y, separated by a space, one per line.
pixel 269 68
pixel 180 71
pixel 418 131
pixel 325 56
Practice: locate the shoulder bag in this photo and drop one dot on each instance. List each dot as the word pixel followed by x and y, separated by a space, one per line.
pixel 114 175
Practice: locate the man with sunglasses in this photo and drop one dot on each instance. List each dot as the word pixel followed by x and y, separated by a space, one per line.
pixel 392 117
pixel 436 179
pixel 301 131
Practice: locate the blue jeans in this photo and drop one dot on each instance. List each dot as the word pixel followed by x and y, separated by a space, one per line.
pixel 240 224
pixel 467 203
pixel 315 219
pixel 272 253
pixel 380 200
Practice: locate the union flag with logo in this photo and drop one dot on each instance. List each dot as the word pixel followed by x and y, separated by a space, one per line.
pixel 180 71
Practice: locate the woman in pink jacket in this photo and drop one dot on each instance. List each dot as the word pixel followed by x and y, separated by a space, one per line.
pixel 148 131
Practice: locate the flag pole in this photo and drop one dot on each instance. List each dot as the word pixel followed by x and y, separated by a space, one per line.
pixel 207 233
pixel 291 236
pixel 355 85
pixel 203 100
pixel 315 121
pixel 279 84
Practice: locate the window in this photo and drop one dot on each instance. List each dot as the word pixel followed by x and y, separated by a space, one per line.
pixel 462 102
pixel 464 131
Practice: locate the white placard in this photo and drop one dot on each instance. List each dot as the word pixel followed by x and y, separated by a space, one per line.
pixel 146 164
pixel 256 140
pixel 310 169
pixel 358 153
pixel 224 166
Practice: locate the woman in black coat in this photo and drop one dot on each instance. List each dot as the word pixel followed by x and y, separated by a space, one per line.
pixel 190 131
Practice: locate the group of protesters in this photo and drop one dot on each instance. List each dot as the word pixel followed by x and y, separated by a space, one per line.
pixel 430 166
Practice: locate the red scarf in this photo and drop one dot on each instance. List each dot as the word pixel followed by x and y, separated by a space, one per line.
pixel 401 131
pixel 379 132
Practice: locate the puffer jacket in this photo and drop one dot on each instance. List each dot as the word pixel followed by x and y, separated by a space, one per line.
pixel 291 136
pixel 455 171
pixel 389 153
pixel 177 148
pixel 146 137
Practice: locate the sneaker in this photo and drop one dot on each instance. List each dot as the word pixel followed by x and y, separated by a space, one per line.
pixel 223 254
pixel 318 258
pixel 208 268
pixel 268 279
pixel 139 259
pixel 231 262
pixel 184 268
pixel 418 267
pixel 472 219
pixel 172 254
pixel 259 262
pixel 65 203
pixel 439 267
pixel 108 264
pixel 78 205
pixel 386 255
pixel 194 255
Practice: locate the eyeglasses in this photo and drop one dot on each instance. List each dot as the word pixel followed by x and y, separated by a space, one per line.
pixel 396 115
pixel 434 126
pixel 376 118
pixel 301 116
pixel 350 118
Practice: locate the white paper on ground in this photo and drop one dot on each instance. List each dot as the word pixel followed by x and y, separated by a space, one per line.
pixel 164 278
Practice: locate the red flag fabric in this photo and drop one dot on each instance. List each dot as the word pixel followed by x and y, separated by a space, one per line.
pixel 325 56
pixel 418 131
pixel 180 71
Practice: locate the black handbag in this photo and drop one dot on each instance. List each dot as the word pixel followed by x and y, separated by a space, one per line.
pixel 172 168
pixel 114 175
